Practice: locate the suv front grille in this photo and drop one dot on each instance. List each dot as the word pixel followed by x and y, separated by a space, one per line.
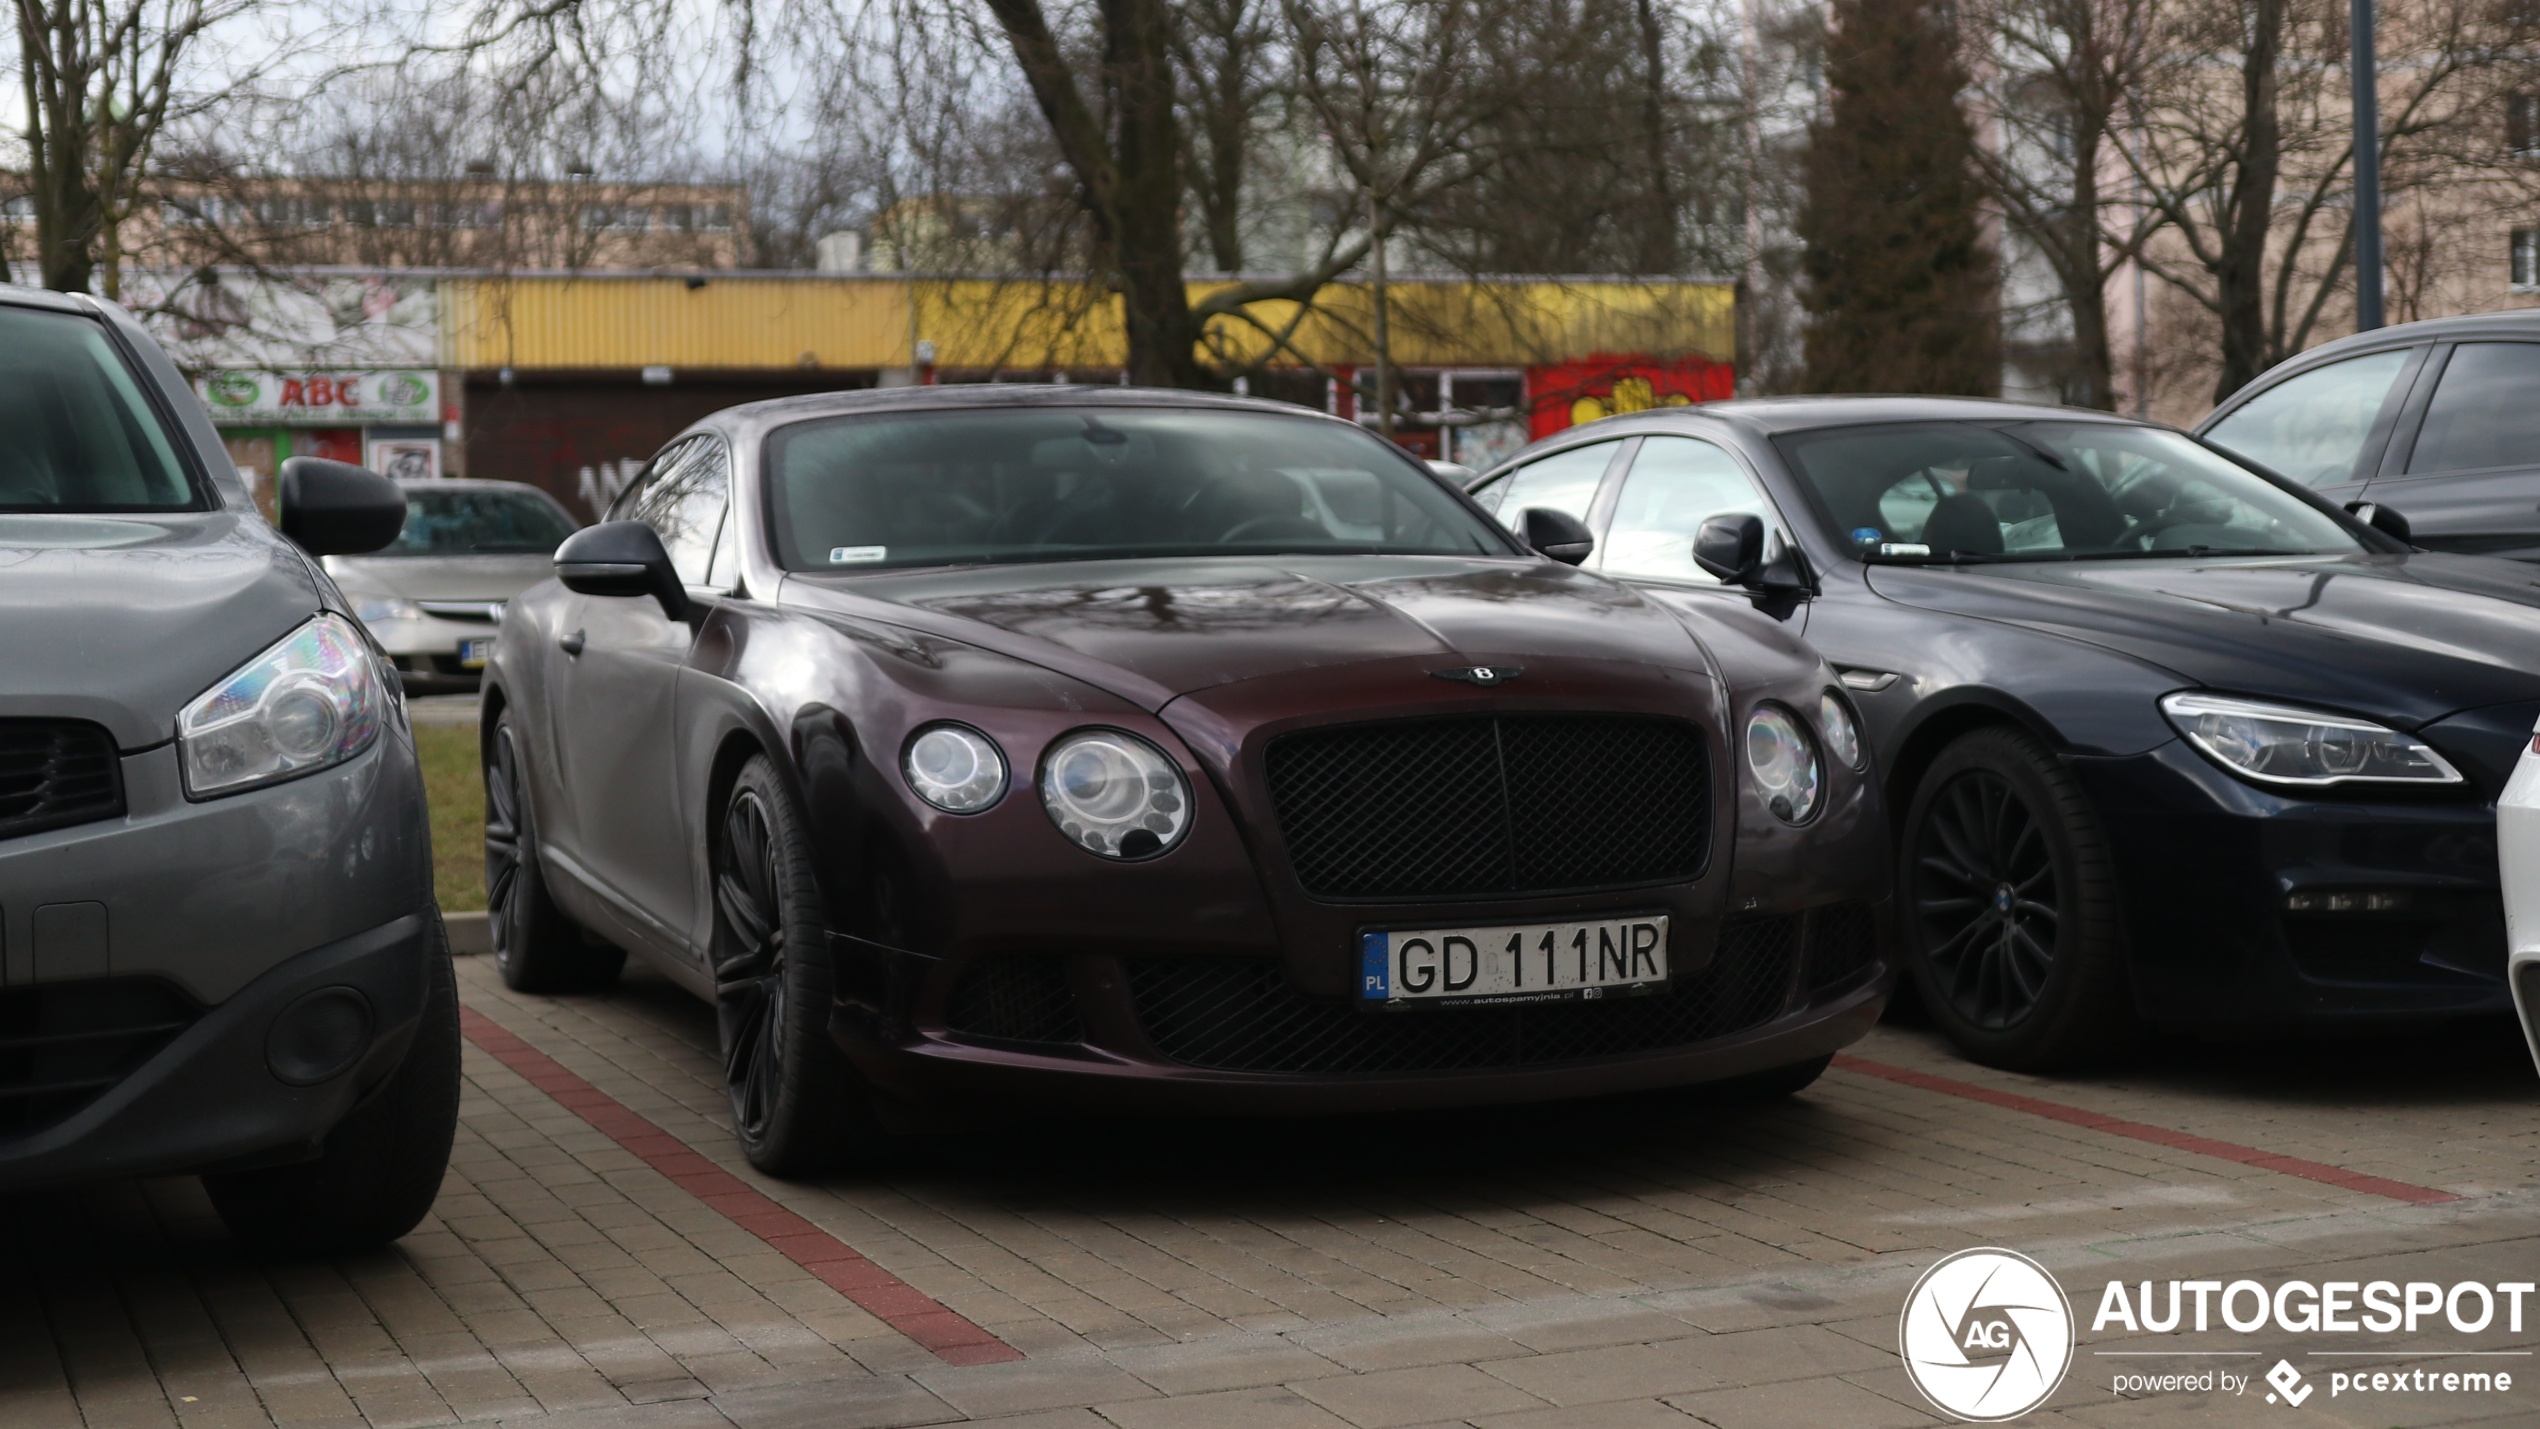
pixel 1240 1015
pixel 62 1045
pixel 1492 804
pixel 54 773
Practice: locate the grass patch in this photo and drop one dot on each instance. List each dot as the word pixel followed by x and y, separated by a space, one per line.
pixel 454 787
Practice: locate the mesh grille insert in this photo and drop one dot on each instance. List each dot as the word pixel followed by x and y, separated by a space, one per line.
pixel 62 1045
pixel 1015 999
pixel 1492 804
pixel 1240 1014
pixel 54 773
pixel 1843 944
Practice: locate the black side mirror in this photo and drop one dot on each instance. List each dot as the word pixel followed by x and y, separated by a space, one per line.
pixel 2381 518
pixel 622 558
pixel 1558 534
pixel 1731 548
pixel 334 508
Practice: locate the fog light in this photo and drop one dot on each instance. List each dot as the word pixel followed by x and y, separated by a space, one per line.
pixel 319 1037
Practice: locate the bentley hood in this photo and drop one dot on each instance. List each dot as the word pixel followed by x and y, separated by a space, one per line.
pixel 1150 631
pixel 121 620
pixel 2402 639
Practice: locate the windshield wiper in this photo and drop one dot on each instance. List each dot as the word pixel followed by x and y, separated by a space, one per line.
pixel 2191 552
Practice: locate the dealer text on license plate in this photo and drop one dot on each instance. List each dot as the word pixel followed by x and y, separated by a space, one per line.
pixel 474 653
pixel 1535 962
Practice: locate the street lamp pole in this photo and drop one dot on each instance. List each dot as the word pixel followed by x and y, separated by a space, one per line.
pixel 2367 171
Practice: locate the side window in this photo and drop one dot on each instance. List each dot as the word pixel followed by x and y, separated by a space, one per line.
pixel 1488 495
pixel 2486 413
pixel 1676 484
pixel 2312 428
pixel 1564 481
pixel 683 502
pixel 622 506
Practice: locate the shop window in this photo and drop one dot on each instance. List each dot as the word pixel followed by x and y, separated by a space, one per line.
pixel 2526 260
pixel 2522 124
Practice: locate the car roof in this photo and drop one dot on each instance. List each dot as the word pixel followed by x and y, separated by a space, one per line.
pixel 1773 415
pixel 973 395
pixel 17 295
pixel 2510 323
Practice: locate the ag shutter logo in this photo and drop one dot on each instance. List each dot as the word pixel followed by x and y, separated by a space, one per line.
pixel 1986 1335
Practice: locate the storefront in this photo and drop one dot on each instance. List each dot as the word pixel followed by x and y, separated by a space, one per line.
pixel 390 420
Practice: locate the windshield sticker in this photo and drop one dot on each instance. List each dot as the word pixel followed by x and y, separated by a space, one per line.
pixel 857 555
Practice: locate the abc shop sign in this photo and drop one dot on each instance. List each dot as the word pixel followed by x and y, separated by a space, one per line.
pixel 321 398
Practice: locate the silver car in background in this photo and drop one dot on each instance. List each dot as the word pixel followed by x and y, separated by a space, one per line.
pixel 434 597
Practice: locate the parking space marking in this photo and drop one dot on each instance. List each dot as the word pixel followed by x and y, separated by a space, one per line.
pixel 2157 1135
pixel 951 1336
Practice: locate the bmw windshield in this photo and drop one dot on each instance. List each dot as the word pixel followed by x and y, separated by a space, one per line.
pixel 2048 491
pixel 1086 483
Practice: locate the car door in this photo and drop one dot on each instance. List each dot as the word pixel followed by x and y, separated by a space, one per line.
pixel 1567 480
pixel 2326 427
pixel 1671 486
pixel 2469 479
pixel 617 700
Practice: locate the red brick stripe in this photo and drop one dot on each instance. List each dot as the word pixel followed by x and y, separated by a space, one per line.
pixel 2157 1135
pixel 953 1338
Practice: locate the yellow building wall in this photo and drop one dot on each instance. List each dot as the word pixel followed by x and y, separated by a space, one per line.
pixel 802 321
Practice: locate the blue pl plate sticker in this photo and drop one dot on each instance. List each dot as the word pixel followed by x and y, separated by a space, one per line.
pixel 1866 534
pixel 1376 960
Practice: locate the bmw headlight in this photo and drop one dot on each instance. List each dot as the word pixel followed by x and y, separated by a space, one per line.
pixel 378 608
pixel 2286 744
pixel 1115 793
pixel 1843 736
pixel 955 768
pixel 1784 762
pixel 310 701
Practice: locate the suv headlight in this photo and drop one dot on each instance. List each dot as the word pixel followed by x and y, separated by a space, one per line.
pixel 2285 744
pixel 1115 793
pixel 1784 761
pixel 312 700
pixel 954 767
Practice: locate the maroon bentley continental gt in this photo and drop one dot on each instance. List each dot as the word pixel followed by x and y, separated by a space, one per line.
pixel 997 747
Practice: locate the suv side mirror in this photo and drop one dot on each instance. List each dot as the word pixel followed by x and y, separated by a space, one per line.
pixel 334 508
pixel 1558 534
pixel 622 558
pixel 2381 518
pixel 1731 548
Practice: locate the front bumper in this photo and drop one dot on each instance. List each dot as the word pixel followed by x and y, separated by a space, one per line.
pixel 1231 1035
pixel 210 1096
pixel 2208 870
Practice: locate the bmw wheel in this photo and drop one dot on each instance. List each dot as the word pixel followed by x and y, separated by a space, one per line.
pixel 798 1105
pixel 2011 927
pixel 536 947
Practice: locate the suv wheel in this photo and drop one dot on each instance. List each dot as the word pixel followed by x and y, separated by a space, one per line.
pixel 798 1104
pixel 536 947
pixel 382 1164
pixel 2011 928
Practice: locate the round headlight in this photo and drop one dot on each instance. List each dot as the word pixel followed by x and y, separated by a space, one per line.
pixel 1785 763
pixel 1843 737
pixel 1115 793
pixel 958 770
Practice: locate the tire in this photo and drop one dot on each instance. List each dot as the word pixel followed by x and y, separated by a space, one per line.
pixel 536 947
pixel 798 1105
pixel 2010 908
pixel 1766 1086
pixel 381 1166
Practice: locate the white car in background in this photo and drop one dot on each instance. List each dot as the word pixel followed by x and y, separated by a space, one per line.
pixel 2518 851
pixel 435 596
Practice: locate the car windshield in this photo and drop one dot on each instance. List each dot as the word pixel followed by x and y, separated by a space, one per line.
pixel 75 433
pixel 479 521
pixel 1054 484
pixel 2048 491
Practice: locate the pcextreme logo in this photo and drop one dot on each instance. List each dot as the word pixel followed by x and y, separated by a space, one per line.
pixel 1986 1335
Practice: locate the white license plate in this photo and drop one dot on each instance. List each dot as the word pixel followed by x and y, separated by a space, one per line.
pixel 474 653
pixel 1534 962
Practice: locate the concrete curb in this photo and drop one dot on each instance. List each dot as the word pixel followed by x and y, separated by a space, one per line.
pixel 468 934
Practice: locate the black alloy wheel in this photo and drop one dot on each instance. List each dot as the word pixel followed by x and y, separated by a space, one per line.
pixel 798 1105
pixel 2011 909
pixel 536 947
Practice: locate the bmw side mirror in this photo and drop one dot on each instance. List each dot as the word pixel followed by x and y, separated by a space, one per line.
pixel 1558 534
pixel 1731 549
pixel 334 508
pixel 2381 518
pixel 622 558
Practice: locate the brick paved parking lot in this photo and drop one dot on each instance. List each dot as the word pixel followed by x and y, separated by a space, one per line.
pixel 600 1256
